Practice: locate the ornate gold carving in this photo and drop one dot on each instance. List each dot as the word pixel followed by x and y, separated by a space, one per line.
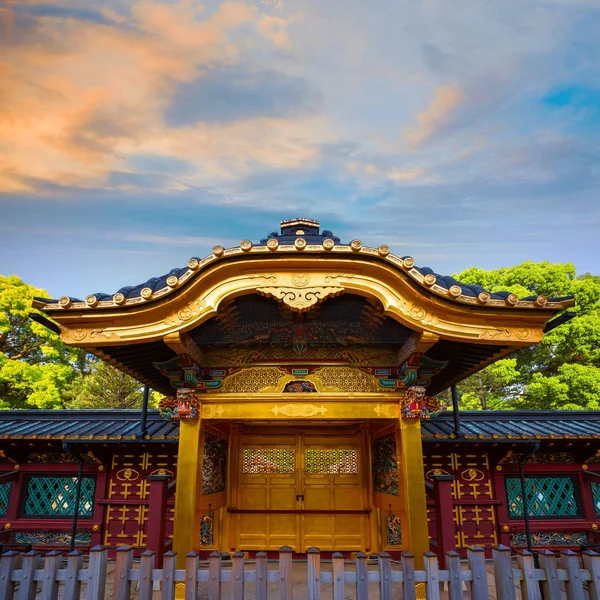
pixel 146 293
pixel 64 301
pixel 212 411
pixel 429 279
pixel 300 244
pixel 345 379
pixel 409 262
pixel 119 299
pixel 272 244
pixel 77 334
pixel 298 410
pixel 356 245
pixel 416 405
pixel 484 297
pixel 433 472
pixel 541 301
pixel 172 281
pixel 472 475
pixel 512 299
pixel 300 279
pixel 109 335
pixel 193 264
pixel 254 380
pixel 218 251
pixel 246 245
pixel 455 291
pixel 383 250
pixel 386 411
pixel 328 244
pixel 127 475
pixel 300 300
pixel 185 313
pixel 91 300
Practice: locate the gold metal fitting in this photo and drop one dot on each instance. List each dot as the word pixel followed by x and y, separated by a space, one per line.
pixel 100 467
pixel 300 244
pixel 95 527
pixel 584 467
pixel 409 262
pixel 7 525
pixel 64 301
pixel 272 244
pixel 328 244
pixel 505 528
pixel 246 245
pixel 498 467
pixel 383 250
pixel 541 301
pixel 218 251
pixel 356 245
pixel 512 299
pixel 172 281
pixel 193 264
pixel 455 291
pixel 119 298
pixel 146 293
pixel 595 526
pixel 429 279
pixel 484 297
pixel 91 300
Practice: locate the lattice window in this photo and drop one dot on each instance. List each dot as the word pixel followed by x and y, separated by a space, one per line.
pixel 55 497
pixel 331 460
pixel 268 460
pixel 4 496
pixel 596 496
pixel 546 497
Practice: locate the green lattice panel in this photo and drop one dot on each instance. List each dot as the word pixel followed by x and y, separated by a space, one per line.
pixel 4 496
pixel 55 496
pixel 546 497
pixel 596 496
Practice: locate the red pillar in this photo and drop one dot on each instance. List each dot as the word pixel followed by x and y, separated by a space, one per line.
pixel 157 516
pixel 444 516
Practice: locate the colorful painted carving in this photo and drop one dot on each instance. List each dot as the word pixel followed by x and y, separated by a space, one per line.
pixel 299 386
pixel 207 529
pixel 550 538
pixel 542 458
pixel 416 405
pixel 52 538
pixel 394 530
pixel 185 406
pixel 214 467
pixel 385 465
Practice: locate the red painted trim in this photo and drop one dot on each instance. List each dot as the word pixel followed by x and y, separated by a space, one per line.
pixel 445 526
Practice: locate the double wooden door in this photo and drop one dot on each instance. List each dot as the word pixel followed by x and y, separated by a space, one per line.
pixel 300 490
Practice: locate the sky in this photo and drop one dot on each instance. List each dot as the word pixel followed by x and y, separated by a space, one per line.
pixel 134 135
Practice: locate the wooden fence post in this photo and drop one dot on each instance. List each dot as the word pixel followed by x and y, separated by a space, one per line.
pixel 214 576
pixel 314 573
pixel 261 576
pixel 385 576
pixel 574 586
pixel 191 576
pixel 72 589
pixel 409 588
pixel 503 573
pixel 28 587
pixel 123 563
pixel 237 576
pixel 529 585
pixel 52 562
pixel 146 568
pixel 168 576
pixel 479 585
pixel 338 576
pixel 455 581
pixel 8 563
pixel 362 583
pixel 432 588
pixel 551 585
pixel 97 573
pixel 285 572
pixel 591 561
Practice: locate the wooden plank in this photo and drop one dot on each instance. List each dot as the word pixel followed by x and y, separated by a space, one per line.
pixel 529 586
pixel 574 585
pixel 503 573
pixel 123 564
pixel 214 576
pixel 146 568
pixel 409 590
pixel 432 589
pixel 591 561
pixel 168 576
pixel 285 572
pixel 237 574
pixel 314 571
pixel 551 584
pixel 479 584
pixel 97 562
pixel 72 587
pixel 52 562
pixel 362 584
pixel 454 579
pixel 338 576
pixel 8 563
pixel 261 576
pixel 385 576
pixel 191 576
pixel 27 586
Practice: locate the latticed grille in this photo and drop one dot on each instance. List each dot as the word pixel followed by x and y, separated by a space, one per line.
pixel 546 497
pixel 596 496
pixel 334 460
pixel 268 460
pixel 4 496
pixel 55 496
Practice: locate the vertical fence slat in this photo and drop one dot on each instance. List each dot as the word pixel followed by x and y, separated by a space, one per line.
pixel 123 563
pixel 97 573
pixel 479 585
pixel 338 576
pixel 529 584
pixel 454 580
pixel 27 587
pixel 432 589
pixel 551 585
pixel 8 563
pixel 191 576
pixel 385 576
pixel 362 584
pixel 146 568
pixel 237 576
pixel 409 589
pixel 214 576
pixel 503 573
pixel 285 572
pixel 52 562
pixel 261 576
pixel 314 573
pixel 574 586
pixel 168 576
pixel 591 561
pixel 72 588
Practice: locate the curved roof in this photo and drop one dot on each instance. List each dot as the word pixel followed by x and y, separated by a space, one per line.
pixel 302 235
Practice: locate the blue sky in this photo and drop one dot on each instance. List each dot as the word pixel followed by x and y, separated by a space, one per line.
pixel 134 135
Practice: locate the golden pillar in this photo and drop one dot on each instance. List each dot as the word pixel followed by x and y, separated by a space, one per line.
pixel 415 531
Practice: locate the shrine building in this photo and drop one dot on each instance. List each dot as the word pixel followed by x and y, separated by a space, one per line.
pixel 300 375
